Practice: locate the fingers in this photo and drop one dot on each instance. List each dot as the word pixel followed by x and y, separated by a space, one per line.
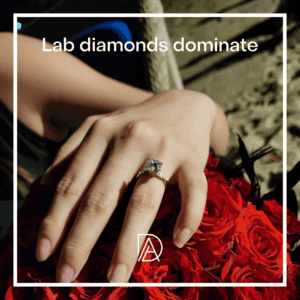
pixel 67 150
pixel 121 166
pixel 140 214
pixel 94 213
pixel 193 189
pixel 69 191
pixel 74 140
pixel 97 195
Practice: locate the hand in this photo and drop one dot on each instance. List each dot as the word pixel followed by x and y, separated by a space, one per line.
pixel 110 150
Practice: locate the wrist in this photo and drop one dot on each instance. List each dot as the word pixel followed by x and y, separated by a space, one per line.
pixel 214 116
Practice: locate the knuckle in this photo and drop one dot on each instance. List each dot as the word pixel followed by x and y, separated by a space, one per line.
pixel 100 128
pixel 91 120
pixel 103 123
pixel 68 187
pixel 97 203
pixel 75 250
pixel 144 202
pixel 49 228
pixel 138 130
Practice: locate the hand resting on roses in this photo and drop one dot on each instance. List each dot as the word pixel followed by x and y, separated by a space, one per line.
pixel 117 128
pixel 174 127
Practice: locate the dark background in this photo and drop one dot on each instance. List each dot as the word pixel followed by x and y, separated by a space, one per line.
pixel 248 87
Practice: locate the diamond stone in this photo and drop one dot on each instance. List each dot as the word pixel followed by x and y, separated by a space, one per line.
pixel 153 165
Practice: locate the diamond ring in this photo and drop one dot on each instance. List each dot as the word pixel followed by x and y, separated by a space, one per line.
pixel 153 167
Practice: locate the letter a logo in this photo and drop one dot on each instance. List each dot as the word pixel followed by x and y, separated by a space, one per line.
pixel 149 248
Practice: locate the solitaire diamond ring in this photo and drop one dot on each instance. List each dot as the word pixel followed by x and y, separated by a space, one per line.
pixel 153 167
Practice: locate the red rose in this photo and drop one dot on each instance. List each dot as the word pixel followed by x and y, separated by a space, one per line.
pixel 6 259
pixel 234 243
pixel 174 265
pixel 171 197
pixel 243 186
pixel 104 293
pixel 213 293
pixel 44 293
pixel 212 162
pixel 274 212
pixel 216 232
pixel 97 264
pixel 243 269
pixel 293 280
pixel 258 293
pixel 246 269
pixel 258 238
pixel 203 293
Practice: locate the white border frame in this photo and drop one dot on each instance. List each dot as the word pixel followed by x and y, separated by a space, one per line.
pixel 15 161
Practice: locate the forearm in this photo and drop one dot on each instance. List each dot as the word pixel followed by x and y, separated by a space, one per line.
pixel 60 80
pixel 63 89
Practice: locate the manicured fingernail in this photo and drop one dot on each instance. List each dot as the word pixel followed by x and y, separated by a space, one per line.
pixel 183 236
pixel 118 274
pixel 66 274
pixel 43 249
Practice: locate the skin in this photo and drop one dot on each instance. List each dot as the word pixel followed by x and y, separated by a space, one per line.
pixel 116 132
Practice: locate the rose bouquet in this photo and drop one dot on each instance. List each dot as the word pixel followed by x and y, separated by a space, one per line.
pixel 236 242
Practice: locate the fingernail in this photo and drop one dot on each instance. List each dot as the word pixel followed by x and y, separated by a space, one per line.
pixel 43 249
pixel 183 236
pixel 118 274
pixel 66 274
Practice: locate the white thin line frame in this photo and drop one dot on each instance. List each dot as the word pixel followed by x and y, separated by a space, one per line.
pixel 237 15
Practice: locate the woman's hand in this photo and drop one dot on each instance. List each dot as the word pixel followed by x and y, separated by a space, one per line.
pixel 173 127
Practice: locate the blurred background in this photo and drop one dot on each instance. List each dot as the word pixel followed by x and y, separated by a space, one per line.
pixel 247 86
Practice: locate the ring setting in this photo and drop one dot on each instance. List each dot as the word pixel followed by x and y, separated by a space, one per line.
pixel 153 167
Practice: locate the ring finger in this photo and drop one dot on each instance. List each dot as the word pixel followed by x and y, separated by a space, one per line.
pixel 140 214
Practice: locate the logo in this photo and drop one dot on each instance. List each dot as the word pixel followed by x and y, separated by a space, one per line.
pixel 149 248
